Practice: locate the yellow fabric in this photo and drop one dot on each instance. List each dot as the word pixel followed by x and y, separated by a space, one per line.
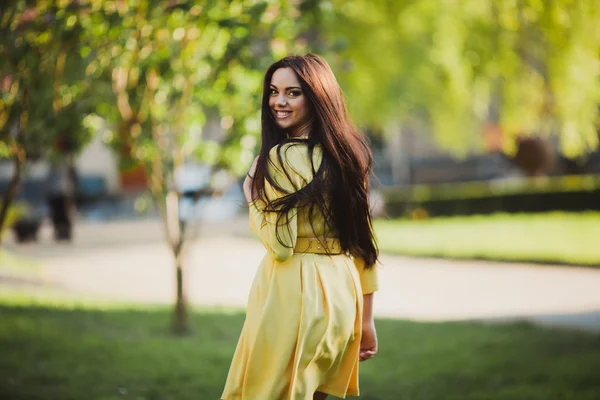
pixel 303 321
pixel 318 245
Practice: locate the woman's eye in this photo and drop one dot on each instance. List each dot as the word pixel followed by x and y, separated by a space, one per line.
pixel 295 93
pixel 273 91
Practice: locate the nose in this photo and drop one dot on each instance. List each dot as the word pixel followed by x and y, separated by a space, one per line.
pixel 281 100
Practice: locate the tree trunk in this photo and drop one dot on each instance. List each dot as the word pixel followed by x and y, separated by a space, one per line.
pixel 9 195
pixel 176 237
pixel 180 316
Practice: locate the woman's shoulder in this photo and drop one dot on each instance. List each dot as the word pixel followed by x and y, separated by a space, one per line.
pixel 294 157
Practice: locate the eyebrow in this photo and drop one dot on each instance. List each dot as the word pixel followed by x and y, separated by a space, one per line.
pixel 287 88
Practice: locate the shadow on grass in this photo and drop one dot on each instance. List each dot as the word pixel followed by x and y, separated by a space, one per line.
pixel 86 354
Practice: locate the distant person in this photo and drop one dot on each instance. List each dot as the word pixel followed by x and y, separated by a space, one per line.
pixel 61 192
pixel 309 318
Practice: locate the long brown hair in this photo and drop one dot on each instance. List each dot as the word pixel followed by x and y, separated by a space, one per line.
pixel 340 186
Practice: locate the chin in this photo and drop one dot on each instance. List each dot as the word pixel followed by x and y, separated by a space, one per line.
pixel 284 125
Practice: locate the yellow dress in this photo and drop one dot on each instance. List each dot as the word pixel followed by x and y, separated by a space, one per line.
pixel 303 321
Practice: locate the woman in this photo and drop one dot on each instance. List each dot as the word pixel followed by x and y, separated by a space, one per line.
pixel 309 317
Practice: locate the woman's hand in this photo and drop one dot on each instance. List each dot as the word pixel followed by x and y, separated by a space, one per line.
pixel 368 341
pixel 248 182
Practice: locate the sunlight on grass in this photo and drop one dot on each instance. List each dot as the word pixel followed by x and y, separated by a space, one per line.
pixel 551 237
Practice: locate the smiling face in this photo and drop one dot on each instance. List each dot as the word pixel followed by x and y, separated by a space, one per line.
pixel 287 101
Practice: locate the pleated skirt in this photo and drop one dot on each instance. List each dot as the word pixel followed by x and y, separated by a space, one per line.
pixel 302 331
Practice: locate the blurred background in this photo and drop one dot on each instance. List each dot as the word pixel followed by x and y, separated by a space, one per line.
pixel 127 128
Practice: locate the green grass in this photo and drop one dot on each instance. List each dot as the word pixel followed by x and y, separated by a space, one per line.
pixel 102 353
pixel 551 237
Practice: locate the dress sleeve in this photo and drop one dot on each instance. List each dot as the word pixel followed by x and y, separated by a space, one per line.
pixel 279 238
pixel 369 280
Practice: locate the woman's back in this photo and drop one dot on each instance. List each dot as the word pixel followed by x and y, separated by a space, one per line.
pixel 297 162
pixel 304 317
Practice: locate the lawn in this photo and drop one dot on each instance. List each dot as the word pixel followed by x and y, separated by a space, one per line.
pixel 114 352
pixel 551 237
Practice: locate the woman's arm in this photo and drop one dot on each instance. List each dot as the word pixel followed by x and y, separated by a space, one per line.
pixel 369 283
pixel 367 317
pixel 368 341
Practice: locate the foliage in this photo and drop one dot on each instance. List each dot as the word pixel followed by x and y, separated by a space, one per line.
pixel 181 85
pixel 44 95
pixel 44 91
pixel 184 78
pixel 546 237
pixel 529 66
pixel 78 353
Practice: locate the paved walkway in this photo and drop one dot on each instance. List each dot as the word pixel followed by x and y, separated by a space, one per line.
pixel 128 261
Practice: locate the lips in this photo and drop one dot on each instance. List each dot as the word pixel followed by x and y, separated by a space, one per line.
pixel 282 114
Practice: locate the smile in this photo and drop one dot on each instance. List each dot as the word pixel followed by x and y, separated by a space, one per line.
pixel 283 114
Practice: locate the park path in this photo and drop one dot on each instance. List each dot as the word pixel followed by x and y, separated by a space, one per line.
pixel 128 261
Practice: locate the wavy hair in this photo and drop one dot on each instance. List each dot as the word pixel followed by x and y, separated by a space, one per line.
pixel 340 185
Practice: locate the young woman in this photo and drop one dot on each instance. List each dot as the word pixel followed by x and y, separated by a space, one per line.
pixel 309 318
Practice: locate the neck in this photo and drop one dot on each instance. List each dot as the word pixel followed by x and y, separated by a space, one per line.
pixel 302 130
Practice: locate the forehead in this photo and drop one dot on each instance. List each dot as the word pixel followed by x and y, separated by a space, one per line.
pixel 284 77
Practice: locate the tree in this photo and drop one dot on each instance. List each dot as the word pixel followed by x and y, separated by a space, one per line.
pixel 528 66
pixel 43 87
pixel 172 69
